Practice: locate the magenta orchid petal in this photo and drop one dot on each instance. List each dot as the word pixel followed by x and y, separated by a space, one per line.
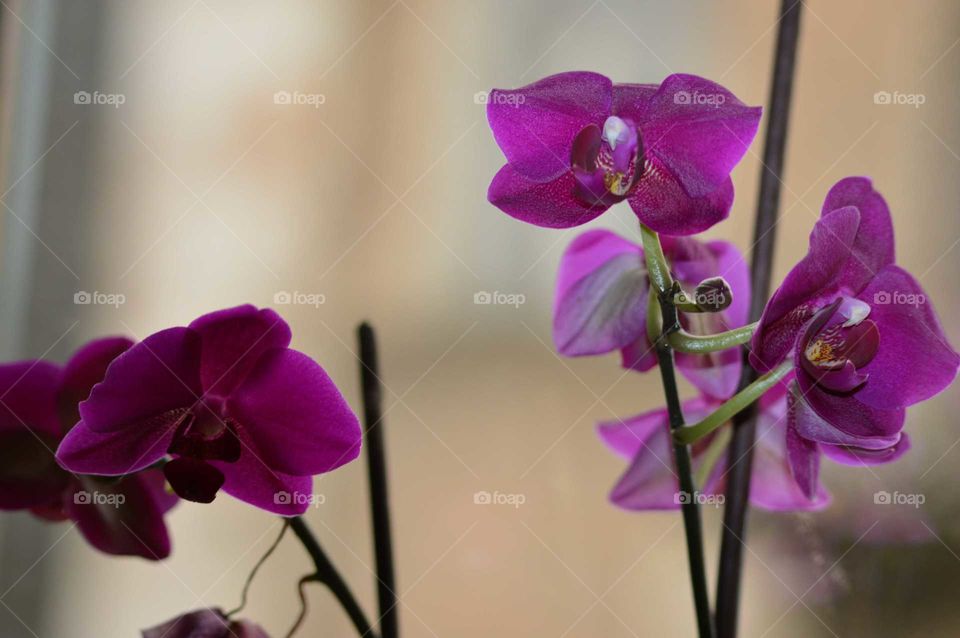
pixel 699 130
pixel 551 204
pixel 810 281
pixel 232 342
pixel 146 383
pixel 914 361
pixel 731 265
pixel 639 355
pixel 535 125
pixel 660 202
pixel 28 398
pixel 205 623
pixel 633 100
pixel 86 368
pixel 857 456
pixel 812 426
pixel 803 457
pixel 601 297
pixel 124 517
pixel 289 393
pixel 86 451
pixel 873 246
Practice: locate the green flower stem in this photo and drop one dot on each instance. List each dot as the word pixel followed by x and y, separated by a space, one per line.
pixel 683 341
pixel 735 404
pixel 658 270
pixel 661 296
pixel 712 455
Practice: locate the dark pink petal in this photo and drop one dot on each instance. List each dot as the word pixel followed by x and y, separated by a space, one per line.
pixel 145 384
pixel 116 453
pixel 193 480
pixel 873 247
pixel 773 486
pixel 640 355
pixel 811 281
pixel 650 482
pixel 660 202
pixel 860 456
pixel 86 368
pixel 124 517
pixel 252 481
pixel 205 623
pixel 913 361
pixel 715 374
pixel 803 456
pixel 814 427
pixel 535 124
pixel 631 101
pixel 699 130
pixel 28 397
pixel 601 298
pixel 295 415
pixel 850 416
pixel 551 204
pixel 232 342
pixel 29 474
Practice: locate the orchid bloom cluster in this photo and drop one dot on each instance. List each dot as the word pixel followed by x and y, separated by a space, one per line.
pixel 116 437
pixel 846 343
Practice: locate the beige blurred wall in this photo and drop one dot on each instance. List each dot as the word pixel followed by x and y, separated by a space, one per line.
pixel 208 194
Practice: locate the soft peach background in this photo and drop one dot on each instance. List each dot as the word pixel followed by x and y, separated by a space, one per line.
pixel 207 194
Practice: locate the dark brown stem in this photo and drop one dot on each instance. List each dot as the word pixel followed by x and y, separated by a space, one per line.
pixel 740 459
pixel 377 467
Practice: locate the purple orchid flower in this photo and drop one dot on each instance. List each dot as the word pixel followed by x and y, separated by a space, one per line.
pixel 205 623
pixel 229 403
pixel 602 295
pixel 650 482
pixel 577 144
pixel 864 338
pixel 38 406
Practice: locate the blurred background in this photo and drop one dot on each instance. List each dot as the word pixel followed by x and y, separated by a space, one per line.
pixel 191 155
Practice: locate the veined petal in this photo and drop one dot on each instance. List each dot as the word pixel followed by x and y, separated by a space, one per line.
pixel 601 297
pixel 873 247
pixel 859 456
pixel 913 361
pixel 232 341
pixel 86 368
pixel 295 415
pixel 552 204
pixel 535 124
pixel 661 203
pixel 124 451
pixel 699 130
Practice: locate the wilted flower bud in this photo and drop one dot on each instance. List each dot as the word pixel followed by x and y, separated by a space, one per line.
pixel 713 295
pixel 205 623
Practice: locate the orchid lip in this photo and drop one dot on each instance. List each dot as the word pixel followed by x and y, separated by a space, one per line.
pixel 839 340
pixel 607 162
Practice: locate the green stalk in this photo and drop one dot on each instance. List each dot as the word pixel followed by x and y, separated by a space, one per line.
pixel 683 341
pixel 735 404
